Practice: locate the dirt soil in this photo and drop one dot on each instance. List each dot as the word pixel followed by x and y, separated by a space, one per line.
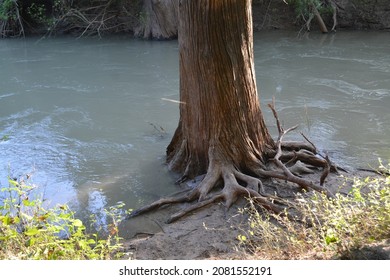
pixel 209 233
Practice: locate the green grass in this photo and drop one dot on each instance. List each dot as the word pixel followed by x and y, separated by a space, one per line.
pixel 328 228
pixel 30 231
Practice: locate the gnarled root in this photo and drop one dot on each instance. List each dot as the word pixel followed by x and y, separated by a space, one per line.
pixel 232 190
pixel 238 184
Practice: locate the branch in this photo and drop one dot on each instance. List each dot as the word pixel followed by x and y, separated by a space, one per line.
pixel 287 174
pixel 334 7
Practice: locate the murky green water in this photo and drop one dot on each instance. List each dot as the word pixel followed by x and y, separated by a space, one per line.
pixel 84 116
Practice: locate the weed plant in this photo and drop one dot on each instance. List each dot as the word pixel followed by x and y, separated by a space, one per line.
pixel 30 231
pixel 327 228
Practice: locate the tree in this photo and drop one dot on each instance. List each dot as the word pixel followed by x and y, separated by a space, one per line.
pixel 221 131
pixel 159 19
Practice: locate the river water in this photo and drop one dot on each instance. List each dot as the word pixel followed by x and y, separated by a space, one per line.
pixel 90 119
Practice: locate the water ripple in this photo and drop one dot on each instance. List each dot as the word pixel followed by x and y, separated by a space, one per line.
pixel 350 89
pixel 6 95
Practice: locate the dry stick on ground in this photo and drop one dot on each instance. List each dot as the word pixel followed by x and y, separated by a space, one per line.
pixel 237 184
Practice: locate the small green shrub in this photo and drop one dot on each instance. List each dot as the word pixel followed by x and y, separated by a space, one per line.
pixel 30 231
pixel 328 228
pixel 6 8
pixel 37 13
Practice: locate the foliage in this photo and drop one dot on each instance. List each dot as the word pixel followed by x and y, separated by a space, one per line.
pixel 10 21
pixel 37 13
pixel 89 17
pixel 30 231
pixel 6 7
pixel 304 8
pixel 329 228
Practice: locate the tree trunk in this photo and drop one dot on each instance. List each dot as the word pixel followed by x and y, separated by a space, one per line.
pixel 221 131
pixel 220 118
pixel 159 20
pixel 320 21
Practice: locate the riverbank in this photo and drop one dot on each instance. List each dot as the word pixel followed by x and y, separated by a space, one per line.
pixel 158 20
pixel 358 229
pixel 212 233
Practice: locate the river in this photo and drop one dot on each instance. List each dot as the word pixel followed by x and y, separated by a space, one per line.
pixel 89 119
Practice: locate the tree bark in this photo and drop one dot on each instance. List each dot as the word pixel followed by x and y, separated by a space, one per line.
pixel 221 131
pixel 220 118
pixel 159 20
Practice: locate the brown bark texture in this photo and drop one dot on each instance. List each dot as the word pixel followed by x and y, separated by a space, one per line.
pixel 159 20
pixel 220 116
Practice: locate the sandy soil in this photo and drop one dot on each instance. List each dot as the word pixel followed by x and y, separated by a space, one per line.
pixel 208 233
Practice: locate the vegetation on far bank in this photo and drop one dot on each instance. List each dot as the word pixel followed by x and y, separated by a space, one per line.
pixel 95 18
pixel 83 18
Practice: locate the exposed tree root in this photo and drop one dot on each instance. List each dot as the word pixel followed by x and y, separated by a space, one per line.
pixel 249 187
pixel 236 184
